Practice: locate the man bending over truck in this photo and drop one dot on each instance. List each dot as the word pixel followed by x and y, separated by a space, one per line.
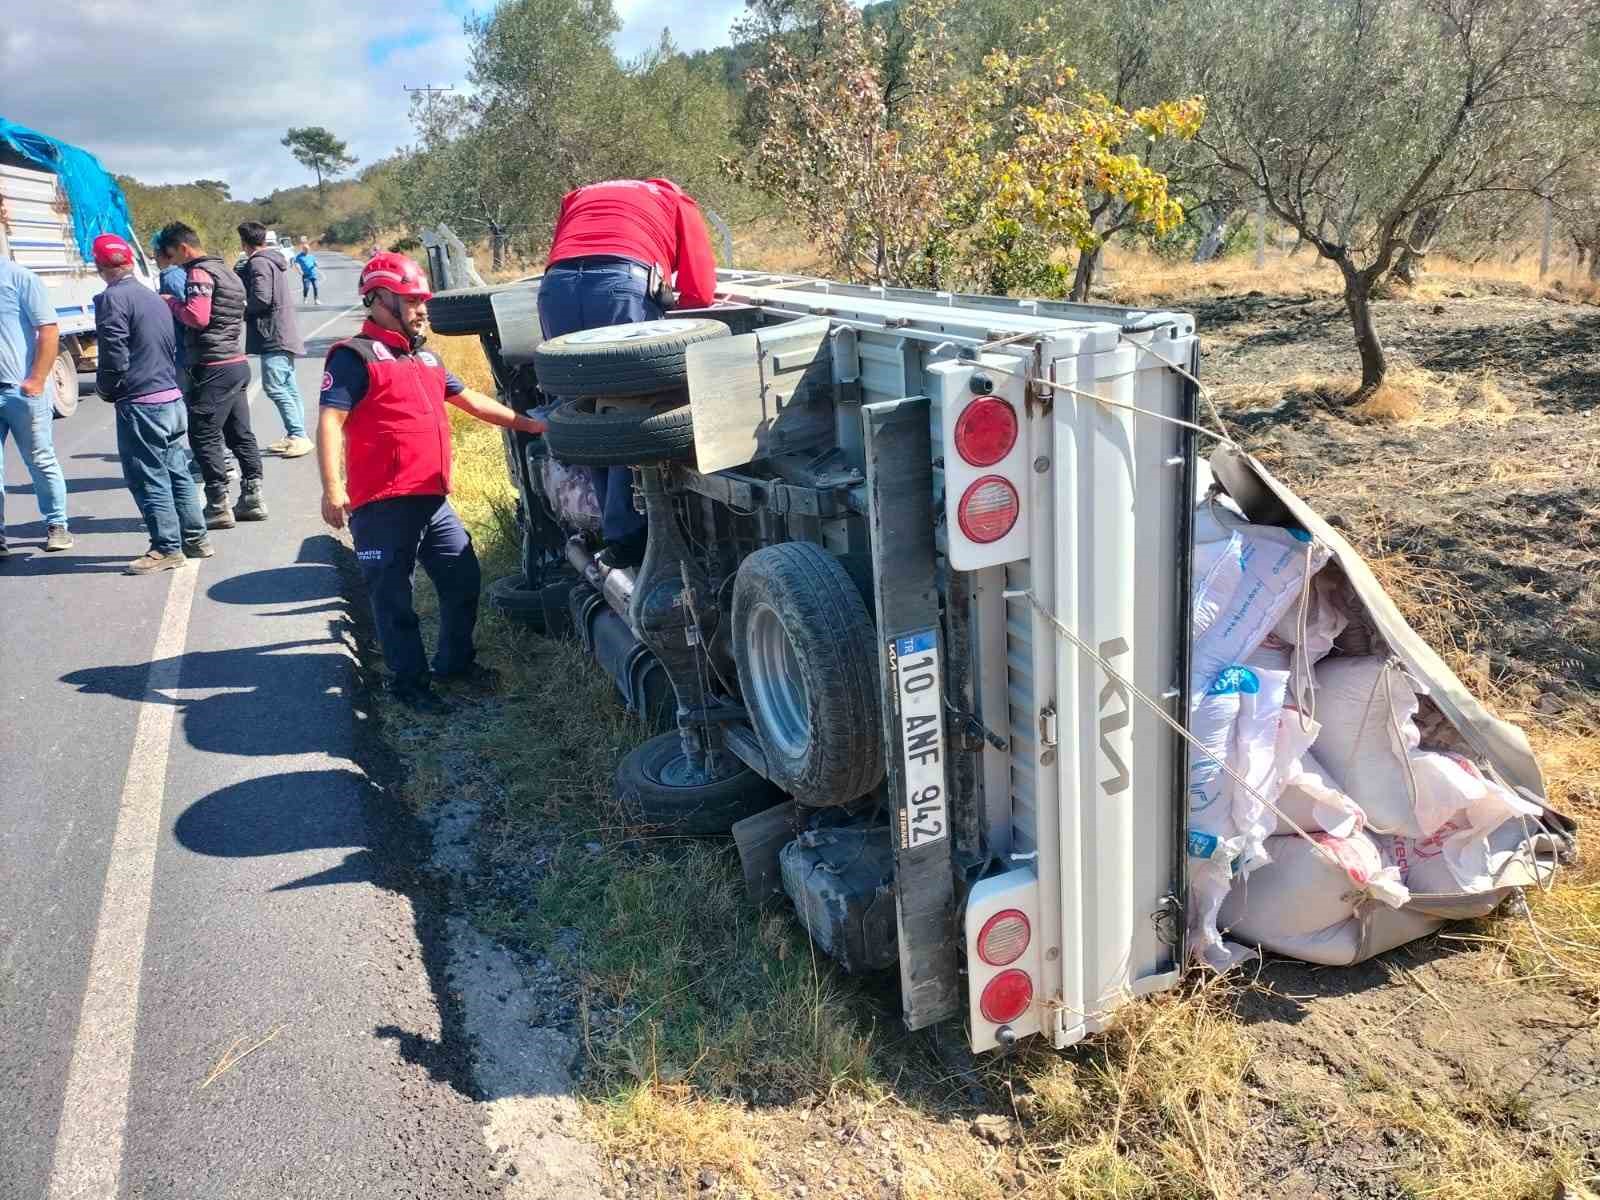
pixel 625 250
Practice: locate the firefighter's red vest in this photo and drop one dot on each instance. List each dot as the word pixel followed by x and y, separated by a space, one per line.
pixel 397 437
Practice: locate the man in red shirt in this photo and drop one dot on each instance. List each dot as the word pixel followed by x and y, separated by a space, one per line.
pixel 622 249
pixel 384 423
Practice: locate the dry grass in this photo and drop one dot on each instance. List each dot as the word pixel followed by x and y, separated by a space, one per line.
pixel 672 1129
pixel 1408 397
pixel 1133 277
pixel 1475 1146
pixel 1153 1107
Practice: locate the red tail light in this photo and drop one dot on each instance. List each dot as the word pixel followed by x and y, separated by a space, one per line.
pixel 1004 937
pixel 1006 997
pixel 986 431
pixel 988 509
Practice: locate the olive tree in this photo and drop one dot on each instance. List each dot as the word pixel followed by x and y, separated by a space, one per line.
pixel 957 176
pixel 1357 118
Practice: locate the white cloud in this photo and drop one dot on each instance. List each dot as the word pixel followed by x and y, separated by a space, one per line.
pixel 174 90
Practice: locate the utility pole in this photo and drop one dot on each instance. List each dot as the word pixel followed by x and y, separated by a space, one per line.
pixel 430 91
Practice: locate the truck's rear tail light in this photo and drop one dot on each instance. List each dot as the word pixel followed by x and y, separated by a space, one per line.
pixel 1006 997
pixel 986 431
pixel 988 509
pixel 1004 937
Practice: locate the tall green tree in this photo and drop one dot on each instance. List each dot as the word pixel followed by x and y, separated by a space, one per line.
pixel 319 150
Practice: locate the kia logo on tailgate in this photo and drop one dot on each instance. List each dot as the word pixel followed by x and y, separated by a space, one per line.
pixel 1113 722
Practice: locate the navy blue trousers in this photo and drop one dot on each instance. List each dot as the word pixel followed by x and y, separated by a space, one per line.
pixel 587 297
pixel 392 537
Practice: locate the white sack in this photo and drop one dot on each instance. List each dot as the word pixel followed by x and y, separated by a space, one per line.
pixel 1217 575
pixel 1466 852
pixel 1308 630
pixel 1367 710
pixel 1308 902
pixel 1272 562
pixel 1312 802
pixel 1213 841
pixel 1261 752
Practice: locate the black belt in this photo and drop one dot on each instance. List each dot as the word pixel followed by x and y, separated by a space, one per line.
pixel 585 262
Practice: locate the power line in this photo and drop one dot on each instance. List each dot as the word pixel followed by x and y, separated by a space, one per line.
pixel 430 91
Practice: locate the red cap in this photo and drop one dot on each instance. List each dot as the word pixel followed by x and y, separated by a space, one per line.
pixel 112 251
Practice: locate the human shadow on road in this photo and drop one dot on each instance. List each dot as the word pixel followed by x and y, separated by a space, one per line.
pixel 97 483
pixel 20 562
pixel 299 584
pixel 293 696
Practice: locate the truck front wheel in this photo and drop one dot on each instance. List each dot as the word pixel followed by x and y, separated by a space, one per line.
pixel 657 785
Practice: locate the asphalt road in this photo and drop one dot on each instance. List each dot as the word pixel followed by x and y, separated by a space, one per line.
pixel 219 976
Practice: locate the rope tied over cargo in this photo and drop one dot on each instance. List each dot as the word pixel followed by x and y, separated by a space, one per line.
pixel 1135 691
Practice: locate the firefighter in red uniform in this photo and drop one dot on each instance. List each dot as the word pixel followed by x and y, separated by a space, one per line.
pixel 383 421
pixel 625 250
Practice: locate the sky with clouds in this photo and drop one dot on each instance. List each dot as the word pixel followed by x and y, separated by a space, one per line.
pixel 174 90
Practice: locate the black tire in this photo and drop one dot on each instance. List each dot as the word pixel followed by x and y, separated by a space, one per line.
pixel 640 359
pixel 466 310
pixel 578 435
pixel 541 609
pixel 649 796
pixel 803 593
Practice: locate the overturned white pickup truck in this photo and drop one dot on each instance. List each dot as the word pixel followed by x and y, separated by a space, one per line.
pixel 983 667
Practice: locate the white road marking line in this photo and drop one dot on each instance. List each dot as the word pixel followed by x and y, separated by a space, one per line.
pixel 94 1112
pixel 331 320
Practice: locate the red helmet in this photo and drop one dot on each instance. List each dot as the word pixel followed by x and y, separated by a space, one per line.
pixel 394 273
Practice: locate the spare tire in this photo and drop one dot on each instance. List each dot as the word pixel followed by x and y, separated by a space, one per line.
pixel 657 786
pixel 808 668
pixel 662 432
pixel 468 310
pixel 640 359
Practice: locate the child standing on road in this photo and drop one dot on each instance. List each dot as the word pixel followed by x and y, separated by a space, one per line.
pixel 307 264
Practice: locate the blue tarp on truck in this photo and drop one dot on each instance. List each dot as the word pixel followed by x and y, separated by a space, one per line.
pixel 98 205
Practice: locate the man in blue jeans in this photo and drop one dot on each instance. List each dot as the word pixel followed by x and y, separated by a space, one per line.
pixel 625 250
pixel 29 340
pixel 272 331
pixel 137 372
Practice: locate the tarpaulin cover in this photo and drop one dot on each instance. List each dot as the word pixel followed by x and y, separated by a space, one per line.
pixel 98 205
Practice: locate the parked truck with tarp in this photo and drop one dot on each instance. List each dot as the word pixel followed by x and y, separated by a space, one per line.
pixel 990 671
pixel 55 199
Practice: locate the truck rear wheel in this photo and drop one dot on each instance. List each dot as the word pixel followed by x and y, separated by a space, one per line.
pixel 658 786
pixel 64 382
pixel 808 667
pixel 640 359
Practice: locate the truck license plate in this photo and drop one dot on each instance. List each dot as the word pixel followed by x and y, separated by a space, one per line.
pixel 919 697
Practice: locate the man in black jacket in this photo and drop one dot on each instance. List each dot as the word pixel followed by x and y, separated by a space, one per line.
pixel 272 332
pixel 212 313
pixel 136 371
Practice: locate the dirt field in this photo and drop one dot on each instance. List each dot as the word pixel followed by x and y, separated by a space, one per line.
pixel 720 1058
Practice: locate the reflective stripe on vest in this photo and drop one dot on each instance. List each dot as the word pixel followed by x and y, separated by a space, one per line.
pixel 397 437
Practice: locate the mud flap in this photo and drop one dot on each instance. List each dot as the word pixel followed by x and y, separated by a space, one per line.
pixel 899 460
